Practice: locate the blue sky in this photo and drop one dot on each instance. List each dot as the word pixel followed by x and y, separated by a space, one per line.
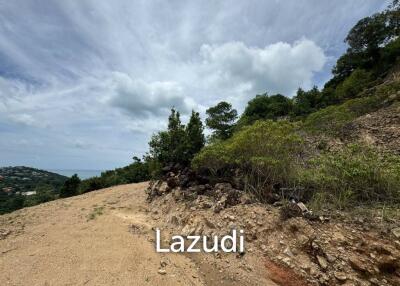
pixel 84 83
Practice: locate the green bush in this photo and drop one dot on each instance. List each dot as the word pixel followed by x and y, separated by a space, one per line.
pixel 266 153
pixel 354 174
pixel 353 85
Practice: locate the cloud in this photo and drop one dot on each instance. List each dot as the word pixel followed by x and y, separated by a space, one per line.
pixel 279 67
pixel 91 80
pixel 145 99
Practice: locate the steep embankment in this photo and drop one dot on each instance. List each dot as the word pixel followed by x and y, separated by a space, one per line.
pixel 101 238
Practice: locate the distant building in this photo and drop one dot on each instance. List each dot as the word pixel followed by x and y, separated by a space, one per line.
pixel 29 193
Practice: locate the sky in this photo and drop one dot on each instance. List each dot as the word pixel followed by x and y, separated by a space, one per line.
pixel 84 83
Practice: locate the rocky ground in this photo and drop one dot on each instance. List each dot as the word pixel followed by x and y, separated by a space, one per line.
pixel 296 246
pixel 380 128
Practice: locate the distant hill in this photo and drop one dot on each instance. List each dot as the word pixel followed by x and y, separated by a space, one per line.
pixel 25 179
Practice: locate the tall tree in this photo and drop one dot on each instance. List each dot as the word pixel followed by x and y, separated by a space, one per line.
pixel 170 146
pixel 221 119
pixel 194 134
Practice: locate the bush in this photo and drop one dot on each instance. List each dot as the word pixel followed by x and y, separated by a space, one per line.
pixel 353 85
pixel 266 154
pixel 355 174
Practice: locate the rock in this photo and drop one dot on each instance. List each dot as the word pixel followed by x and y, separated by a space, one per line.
pixel 288 252
pixel 340 276
pixel 4 233
pixel 302 207
pixel 208 223
pixel 218 207
pixel 174 220
pixel 396 232
pixel 172 182
pixel 163 263
pixel 322 262
pixel 162 271
pixel 357 264
pixel 245 199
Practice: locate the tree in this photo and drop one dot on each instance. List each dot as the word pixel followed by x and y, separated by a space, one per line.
pixel 70 187
pixel 306 102
pixel 221 119
pixel 169 146
pixel 265 107
pixel 194 134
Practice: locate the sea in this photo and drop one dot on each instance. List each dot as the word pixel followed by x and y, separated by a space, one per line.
pixel 82 174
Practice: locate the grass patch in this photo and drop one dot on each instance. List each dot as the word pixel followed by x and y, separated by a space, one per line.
pixel 353 175
pixel 97 211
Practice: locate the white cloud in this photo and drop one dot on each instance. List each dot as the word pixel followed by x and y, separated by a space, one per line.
pixel 144 99
pixel 102 76
pixel 279 67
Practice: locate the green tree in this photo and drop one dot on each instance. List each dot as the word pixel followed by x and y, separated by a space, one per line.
pixel 265 107
pixel 70 187
pixel 169 146
pixel 306 102
pixel 194 134
pixel 221 119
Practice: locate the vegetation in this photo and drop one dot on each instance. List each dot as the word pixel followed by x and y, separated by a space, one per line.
pixel 265 107
pixel 353 174
pixel 70 187
pixel 178 144
pixel 221 119
pixel 136 172
pixel 23 186
pixel 265 153
pixel 267 145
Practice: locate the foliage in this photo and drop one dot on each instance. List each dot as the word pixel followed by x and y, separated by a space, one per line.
pixel 136 172
pixel 333 119
pixel 70 187
pixel 264 152
pixel 306 102
pixel 353 174
pixel 10 202
pixel 44 193
pixel 265 107
pixel 170 146
pixel 221 119
pixel 370 45
pixel 353 85
pixel 194 134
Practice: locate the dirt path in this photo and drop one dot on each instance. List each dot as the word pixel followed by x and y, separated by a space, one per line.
pixel 88 240
pixel 100 238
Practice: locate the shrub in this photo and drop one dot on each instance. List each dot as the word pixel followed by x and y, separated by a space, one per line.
pixel 353 85
pixel 355 174
pixel 266 153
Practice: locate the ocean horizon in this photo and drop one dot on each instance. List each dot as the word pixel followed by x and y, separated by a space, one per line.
pixel 83 174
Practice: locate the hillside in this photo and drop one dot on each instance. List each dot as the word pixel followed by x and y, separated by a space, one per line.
pixel 25 179
pixel 23 186
pixel 108 238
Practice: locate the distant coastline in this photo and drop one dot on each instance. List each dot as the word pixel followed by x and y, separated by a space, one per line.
pixel 83 174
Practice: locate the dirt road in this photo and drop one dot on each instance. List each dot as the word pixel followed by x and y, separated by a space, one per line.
pixel 99 238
